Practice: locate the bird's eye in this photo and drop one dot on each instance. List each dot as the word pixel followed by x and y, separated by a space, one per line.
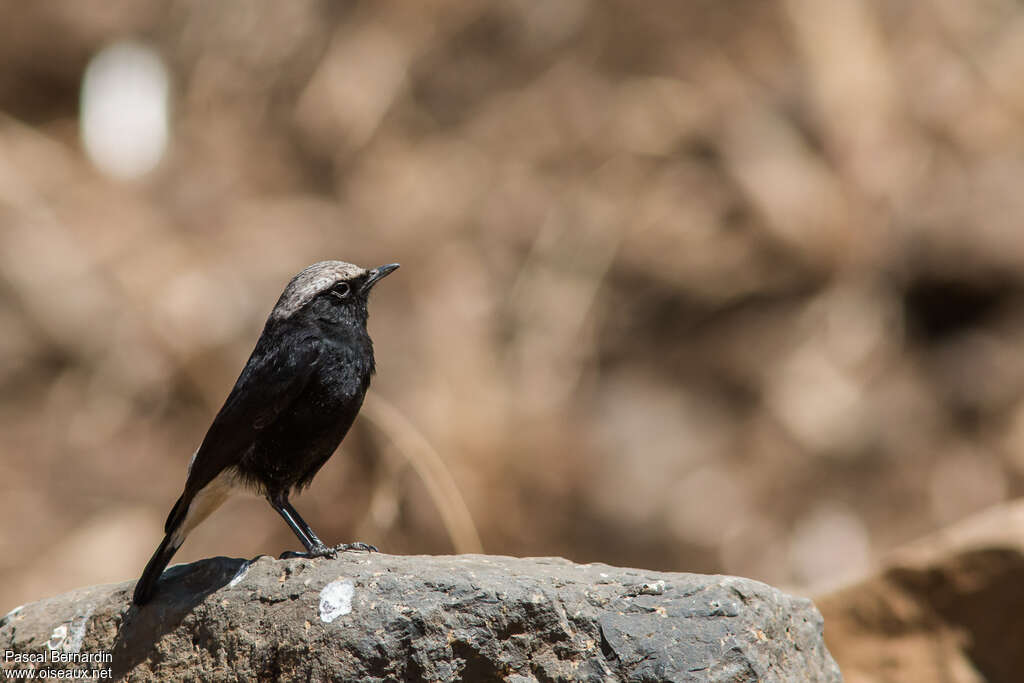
pixel 341 290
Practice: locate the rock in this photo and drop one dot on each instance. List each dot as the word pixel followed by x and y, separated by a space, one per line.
pixel 375 617
pixel 949 607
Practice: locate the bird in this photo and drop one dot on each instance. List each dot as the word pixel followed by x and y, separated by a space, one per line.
pixel 290 408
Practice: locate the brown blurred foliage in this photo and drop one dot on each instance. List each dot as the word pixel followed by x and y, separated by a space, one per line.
pixel 709 286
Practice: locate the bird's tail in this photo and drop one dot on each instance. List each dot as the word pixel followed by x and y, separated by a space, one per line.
pixel 146 586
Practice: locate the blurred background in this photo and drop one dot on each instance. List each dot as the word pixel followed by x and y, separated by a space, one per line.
pixel 693 286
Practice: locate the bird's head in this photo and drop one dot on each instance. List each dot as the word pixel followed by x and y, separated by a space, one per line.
pixel 329 292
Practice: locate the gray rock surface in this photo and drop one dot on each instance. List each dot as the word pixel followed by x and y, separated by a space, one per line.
pixel 376 617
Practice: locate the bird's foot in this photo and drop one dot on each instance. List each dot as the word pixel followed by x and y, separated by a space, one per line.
pixel 320 550
pixel 358 545
pixel 327 551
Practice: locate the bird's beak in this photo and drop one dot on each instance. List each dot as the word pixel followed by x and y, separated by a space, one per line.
pixel 376 274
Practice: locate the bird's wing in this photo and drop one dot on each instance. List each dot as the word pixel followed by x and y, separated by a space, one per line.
pixel 272 379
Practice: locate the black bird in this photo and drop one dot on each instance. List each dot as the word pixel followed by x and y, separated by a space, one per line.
pixel 290 408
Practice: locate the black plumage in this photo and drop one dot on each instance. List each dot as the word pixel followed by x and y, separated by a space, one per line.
pixel 293 403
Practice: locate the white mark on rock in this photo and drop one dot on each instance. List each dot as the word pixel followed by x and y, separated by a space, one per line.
pixel 57 638
pixel 12 613
pixel 69 635
pixel 653 588
pixel 77 634
pixel 240 574
pixel 336 600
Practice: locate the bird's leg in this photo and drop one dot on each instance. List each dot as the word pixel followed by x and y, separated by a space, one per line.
pixel 314 546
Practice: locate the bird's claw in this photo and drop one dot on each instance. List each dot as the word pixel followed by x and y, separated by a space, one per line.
pixel 328 551
pixel 358 545
pixel 316 551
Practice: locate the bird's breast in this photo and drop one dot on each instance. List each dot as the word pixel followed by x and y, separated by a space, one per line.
pixel 290 451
